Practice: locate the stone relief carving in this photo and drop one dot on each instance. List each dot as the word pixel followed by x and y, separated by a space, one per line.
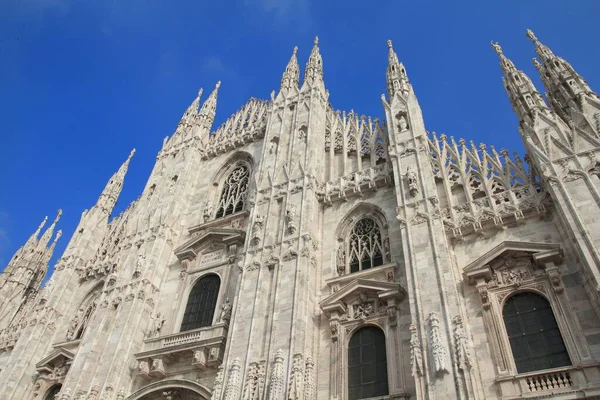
pixel 296 385
pixel 416 354
pixel 310 389
pixel 411 178
pixel 156 324
pixel 232 389
pixel 341 257
pixel 438 350
pixel 463 354
pixel 218 384
pixel 257 229
pixel 290 216
pixel 276 385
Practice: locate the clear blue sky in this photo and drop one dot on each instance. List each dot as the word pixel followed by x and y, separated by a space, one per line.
pixel 83 82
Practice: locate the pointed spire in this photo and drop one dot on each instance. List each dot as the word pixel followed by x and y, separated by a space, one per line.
pixel 34 237
pixel 397 80
pixel 206 116
pixel 523 96
pixel 291 76
pixel 314 67
pixel 190 114
pixel 111 192
pixel 45 239
pixel 562 82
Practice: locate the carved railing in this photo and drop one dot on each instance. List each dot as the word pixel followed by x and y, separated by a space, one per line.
pixel 549 381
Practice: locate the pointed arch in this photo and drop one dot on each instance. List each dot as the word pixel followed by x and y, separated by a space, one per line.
pixel 78 325
pixel 233 182
pixel 362 240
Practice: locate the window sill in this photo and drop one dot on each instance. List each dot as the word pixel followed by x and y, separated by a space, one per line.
pixel 380 272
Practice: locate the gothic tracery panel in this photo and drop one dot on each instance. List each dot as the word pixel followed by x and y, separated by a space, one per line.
pixel 233 193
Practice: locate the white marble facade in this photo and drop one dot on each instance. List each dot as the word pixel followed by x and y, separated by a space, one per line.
pixel 301 253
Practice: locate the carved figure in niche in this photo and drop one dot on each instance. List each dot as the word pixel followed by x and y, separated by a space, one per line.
pixel 198 357
pixel 402 124
pixel 73 328
pixel 290 214
pixel 273 146
pixel 334 327
pixel 341 258
pixel 139 265
pixel 257 228
pixel 58 371
pixel 157 323
pixel 157 364
pixel 225 311
pixel 411 177
pixel 206 210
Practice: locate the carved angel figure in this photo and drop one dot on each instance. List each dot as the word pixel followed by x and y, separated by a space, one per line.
pixel 73 328
pixel 341 259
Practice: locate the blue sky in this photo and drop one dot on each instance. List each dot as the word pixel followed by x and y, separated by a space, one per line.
pixel 83 82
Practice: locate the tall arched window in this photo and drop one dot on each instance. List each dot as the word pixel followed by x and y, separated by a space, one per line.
pixel 366 250
pixel 367 364
pixel 85 318
pixel 533 333
pixel 201 303
pixel 233 194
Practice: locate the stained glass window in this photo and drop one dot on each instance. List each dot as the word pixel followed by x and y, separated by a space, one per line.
pixel 233 194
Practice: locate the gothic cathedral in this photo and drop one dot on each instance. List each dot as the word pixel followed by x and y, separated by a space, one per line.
pixel 302 253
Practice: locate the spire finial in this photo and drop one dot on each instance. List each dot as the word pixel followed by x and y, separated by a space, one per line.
pixel 200 93
pixel 497 48
pixel 316 41
pixel 536 63
pixel 131 153
pixel 58 215
pixel 531 35
pixel 389 43
pixel 295 50
pixel 218 85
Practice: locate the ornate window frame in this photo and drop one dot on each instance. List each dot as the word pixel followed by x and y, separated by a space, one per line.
pixel 373 299
pixel 515 267
pixel 345 231
pixel 213 198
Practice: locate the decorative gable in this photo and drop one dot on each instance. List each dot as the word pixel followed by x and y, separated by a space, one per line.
pixel 211 240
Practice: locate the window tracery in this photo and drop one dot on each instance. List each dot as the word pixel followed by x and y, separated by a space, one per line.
pixel 234 191
pixel 365 245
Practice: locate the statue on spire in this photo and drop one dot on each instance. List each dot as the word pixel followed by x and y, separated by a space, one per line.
pixel 497 48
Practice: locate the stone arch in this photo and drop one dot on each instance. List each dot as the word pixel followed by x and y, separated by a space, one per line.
pixel 85 311
pixel 155 390
pixel 213 199
pixel 351 257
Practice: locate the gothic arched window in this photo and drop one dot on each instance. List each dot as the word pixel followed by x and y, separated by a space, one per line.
pixel 201 303
pixel 367 364
pixel 365 245
pixel 85 318
pixel 233 194
pixel 533 333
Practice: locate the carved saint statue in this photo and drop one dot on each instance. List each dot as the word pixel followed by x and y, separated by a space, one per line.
pixel 402 124
pixel 225 311
pixel 73 328
pixel 341 259
pixel 206 210
pixel 411 177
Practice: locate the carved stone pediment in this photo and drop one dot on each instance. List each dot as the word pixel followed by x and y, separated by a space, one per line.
pixel 55 365
pixel 361 291
pixel 513 261
pixel 218 237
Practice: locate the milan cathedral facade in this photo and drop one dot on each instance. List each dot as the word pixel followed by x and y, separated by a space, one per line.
pixel 301 253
